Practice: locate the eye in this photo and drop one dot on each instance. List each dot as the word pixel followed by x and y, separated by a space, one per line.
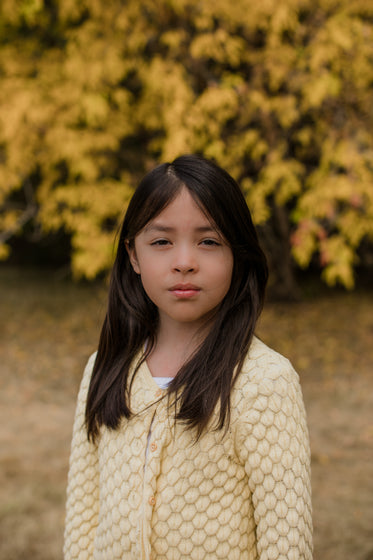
pixel 210 242
pixel 160 242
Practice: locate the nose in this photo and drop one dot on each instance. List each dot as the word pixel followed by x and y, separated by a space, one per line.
pixel 184 260
pixel 183 268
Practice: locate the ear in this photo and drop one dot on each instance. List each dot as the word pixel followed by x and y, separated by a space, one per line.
pixel 132 256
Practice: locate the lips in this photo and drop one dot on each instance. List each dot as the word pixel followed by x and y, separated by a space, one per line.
pixel 184 291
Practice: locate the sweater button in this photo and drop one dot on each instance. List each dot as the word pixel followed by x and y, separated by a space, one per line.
pixel 153 446
pixel 158 393
pixel 152 501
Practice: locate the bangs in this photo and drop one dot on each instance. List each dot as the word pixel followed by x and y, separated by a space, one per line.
pixel 156 191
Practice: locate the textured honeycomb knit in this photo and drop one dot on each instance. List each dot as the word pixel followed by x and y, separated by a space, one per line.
pixel 242 494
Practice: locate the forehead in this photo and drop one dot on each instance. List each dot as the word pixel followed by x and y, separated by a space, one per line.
pixel 182 212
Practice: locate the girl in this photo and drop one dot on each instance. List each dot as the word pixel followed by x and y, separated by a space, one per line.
pixel 190 438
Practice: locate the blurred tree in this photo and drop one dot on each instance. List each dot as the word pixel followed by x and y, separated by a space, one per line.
pixel 279 93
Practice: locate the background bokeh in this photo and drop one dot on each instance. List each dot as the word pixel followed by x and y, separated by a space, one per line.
pixel 95 93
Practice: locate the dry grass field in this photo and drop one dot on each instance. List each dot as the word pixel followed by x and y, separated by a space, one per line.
pixel 48 328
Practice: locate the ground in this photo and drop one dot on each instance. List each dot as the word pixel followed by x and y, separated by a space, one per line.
pixel 49 327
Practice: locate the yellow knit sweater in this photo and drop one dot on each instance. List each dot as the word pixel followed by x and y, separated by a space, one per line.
pixel 241 494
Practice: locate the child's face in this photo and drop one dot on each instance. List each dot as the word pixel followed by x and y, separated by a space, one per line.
pixel 185 265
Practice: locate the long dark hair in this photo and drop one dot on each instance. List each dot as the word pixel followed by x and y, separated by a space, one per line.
pixel 131 320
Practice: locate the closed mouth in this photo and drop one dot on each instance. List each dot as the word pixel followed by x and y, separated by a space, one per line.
pixel 185 287
pixel 185 291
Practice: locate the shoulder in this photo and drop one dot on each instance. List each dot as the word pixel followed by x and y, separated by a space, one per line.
pixel 79 430
pixel 86 379
pixel 265 373
pixel 263 363
pixel 89 368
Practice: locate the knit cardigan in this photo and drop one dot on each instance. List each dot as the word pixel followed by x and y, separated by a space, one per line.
pixel 239 494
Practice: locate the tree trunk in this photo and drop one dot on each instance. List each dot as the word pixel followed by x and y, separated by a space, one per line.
pixel 274 236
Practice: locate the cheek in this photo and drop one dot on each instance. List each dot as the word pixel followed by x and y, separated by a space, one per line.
pixel 227 282
pixel 228 268
pixel 149 267
pixel 147 285
pixel 150 277
pixel 222 276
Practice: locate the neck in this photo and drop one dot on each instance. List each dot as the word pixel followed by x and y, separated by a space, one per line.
pixel 175 344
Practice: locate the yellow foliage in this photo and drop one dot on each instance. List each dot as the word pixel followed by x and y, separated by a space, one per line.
pixel 218 46
pixel 340 258
pixel 94 93
pixel 305 241
pixel 322 87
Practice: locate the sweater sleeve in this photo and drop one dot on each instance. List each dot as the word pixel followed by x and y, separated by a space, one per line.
pixel 273 444
pixel 82 506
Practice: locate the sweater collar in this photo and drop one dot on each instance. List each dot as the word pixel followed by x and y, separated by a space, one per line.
pixel 144 390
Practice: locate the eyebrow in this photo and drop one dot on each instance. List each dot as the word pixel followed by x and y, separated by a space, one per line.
pixel 169 229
